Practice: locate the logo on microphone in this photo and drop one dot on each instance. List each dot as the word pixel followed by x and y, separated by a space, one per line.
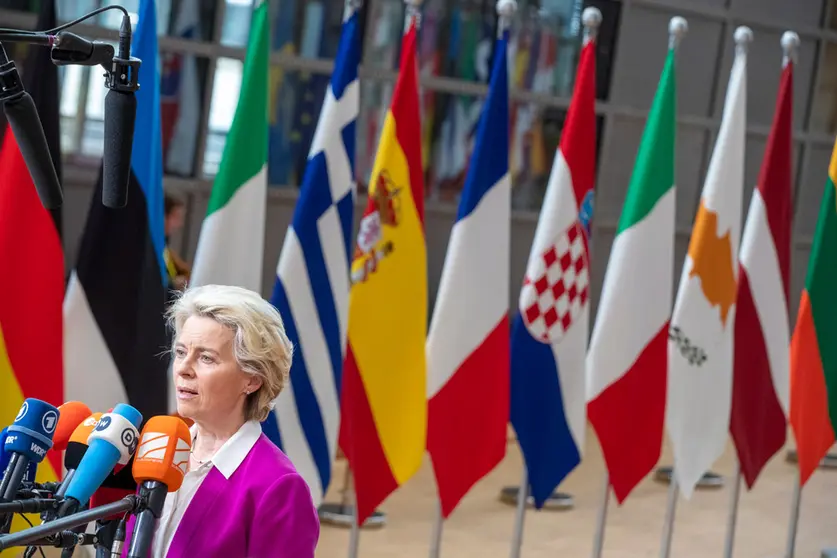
pixel 103 423
pixel 129 440
pixel 90 421
pixel 23 410
pixel 49 420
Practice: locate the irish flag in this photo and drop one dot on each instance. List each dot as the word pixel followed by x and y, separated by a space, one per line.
pixel 627 360
pixel 231 244
pixel 384 404
pixel 813 406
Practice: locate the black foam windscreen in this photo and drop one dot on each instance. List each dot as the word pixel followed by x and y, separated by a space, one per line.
pixel 29 135
pixel 73 454
pixel 120 116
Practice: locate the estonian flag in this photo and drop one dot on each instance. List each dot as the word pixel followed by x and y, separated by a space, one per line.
pixel 116 339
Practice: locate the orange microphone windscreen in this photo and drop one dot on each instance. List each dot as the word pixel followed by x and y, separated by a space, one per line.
pixel 70 415
pixel 83 430
pixel 163 452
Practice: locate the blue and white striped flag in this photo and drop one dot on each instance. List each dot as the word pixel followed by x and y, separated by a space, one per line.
pixel 312 284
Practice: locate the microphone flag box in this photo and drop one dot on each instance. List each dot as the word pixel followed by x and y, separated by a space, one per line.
pixel 31 432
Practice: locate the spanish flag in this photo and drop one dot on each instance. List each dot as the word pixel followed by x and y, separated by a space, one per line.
pixel 384 407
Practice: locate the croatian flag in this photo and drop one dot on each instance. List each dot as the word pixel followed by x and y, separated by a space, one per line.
pixel 550 330
pixel 468 343
pixel 312 284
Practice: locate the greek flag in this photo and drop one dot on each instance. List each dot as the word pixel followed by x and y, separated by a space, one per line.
pixel 312 283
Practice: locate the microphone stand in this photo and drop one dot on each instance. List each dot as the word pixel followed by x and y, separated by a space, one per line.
pixel 45 534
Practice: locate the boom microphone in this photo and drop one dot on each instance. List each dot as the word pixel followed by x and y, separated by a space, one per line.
pixel 29 134
pixel 120 116
pixel 159 467
pixel 113 441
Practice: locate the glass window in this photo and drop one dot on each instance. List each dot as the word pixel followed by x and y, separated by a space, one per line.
pixel 236 27
pixel 182 84
pixel 188 19
pixel 225 90
pixel 68 10
pixel 310 29
pixel 824 108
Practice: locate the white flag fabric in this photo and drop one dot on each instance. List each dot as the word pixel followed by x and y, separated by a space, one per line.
pixel 701 334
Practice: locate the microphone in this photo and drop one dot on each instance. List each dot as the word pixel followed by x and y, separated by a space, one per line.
pixel 159 468
pixel 113 441
pixel 120 116
pixel 5 456
pixel 29 133
pixel 27 441
pixel 70 415
pixel 76 448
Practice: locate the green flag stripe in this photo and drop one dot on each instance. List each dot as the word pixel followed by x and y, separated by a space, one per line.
pixel 821 284
pixel 653 173
pixel 245 151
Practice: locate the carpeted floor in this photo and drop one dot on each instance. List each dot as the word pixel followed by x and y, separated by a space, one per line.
pixel 482 526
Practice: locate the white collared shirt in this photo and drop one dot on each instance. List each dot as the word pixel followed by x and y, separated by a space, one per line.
pixel 227 459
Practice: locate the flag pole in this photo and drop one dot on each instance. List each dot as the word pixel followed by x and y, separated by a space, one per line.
pixel 601 521
pixel 790 46
pixel 520 515
pixel 354 534
pixel 668 525
pixel 677 29
pixel 505 12
pixel 743 37
pixel 733 510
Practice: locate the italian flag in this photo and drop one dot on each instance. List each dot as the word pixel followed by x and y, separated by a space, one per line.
pixel 813 407
pixel 627 361
pixel 231 243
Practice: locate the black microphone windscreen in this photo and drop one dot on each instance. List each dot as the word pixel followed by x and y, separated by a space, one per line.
pixel 120 115
pixel 73 454
pixel 29 134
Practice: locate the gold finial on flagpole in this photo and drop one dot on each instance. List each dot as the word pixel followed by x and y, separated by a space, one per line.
pixel 743 36
pixel 505 10
pixel 677 28
pixel 790 46
pixel 591 19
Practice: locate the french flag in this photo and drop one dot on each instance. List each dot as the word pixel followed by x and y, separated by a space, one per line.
pixel 550 330
pixel 468 343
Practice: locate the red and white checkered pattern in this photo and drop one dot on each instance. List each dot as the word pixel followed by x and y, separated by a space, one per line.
pixel 554 295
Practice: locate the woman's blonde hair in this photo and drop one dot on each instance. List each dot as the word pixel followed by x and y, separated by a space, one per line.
pixel 261 346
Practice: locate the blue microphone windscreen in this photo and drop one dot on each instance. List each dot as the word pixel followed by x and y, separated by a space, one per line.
pixel 31 432
pixel 130 413
pixel 102 455
pixel 5 457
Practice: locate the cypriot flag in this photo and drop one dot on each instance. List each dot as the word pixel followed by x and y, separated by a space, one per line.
pixel 701 335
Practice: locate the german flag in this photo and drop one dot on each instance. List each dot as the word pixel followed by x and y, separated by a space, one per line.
pixel 384 403
pixel 31 329
pixel 32 291
pixel 116 336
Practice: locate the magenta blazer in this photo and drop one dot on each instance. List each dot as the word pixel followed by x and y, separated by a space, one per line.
pixel 264 510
